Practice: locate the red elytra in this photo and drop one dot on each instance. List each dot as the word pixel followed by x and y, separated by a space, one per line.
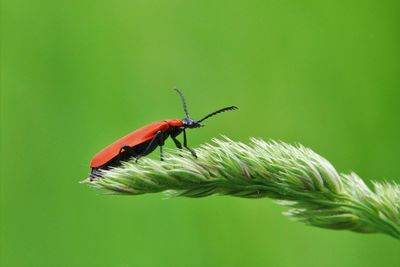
pixel 132 139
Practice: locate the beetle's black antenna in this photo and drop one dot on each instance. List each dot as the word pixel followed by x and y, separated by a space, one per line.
pixel 218 111
pixel 183 102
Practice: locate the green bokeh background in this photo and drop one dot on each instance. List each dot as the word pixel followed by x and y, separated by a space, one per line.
pixel 75 75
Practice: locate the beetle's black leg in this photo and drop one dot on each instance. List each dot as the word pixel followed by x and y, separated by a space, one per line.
pixel 177 143
pixel 124 147
pixel 185 144
pixel 155 137
pixel 161 147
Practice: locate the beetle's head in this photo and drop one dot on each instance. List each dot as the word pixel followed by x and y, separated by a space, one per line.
pixel 190 123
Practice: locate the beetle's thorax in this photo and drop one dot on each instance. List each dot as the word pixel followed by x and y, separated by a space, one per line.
pixel 174 122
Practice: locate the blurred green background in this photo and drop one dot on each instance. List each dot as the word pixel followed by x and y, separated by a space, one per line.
pixel 76 75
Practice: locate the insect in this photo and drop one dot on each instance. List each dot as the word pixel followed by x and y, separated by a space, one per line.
pixel 146 139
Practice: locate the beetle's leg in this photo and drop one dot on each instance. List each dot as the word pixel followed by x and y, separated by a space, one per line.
pixel 124 147
pixel 185 144
pixel 156 136
pixel 177 143
pixel 161 144
pixel 161 153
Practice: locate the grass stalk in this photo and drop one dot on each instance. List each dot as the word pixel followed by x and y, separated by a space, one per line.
pixel 297 177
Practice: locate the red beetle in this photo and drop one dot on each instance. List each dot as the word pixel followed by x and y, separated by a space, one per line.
pixel 144 140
